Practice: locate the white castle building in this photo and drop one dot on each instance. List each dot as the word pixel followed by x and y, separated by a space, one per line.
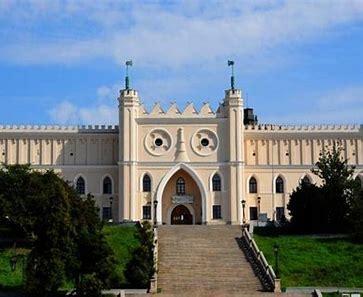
pixel 183 166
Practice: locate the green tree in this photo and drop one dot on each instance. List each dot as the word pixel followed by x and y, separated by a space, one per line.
pixel 338 188
pixel 326 208
pixel 64 229
pixel 141 267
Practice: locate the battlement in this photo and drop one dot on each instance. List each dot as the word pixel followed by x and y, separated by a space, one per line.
pixel 59 128
pixel 174 111
pixel 304 128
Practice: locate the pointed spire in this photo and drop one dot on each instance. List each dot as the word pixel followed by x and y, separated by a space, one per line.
pixel 173 110
pixel 181 152
pixel 127 81
pixel 231 63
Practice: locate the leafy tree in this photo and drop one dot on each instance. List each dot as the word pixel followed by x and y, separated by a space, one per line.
pixel 338 188
pixel 326 208
pixel 141 267
pixel 65 231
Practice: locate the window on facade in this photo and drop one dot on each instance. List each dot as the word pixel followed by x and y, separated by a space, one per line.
pixel 253 185
pixel 280 213
pixel 253 213
pixel 180 186
pixel 306 180
pixel 216 182
pixel 106 213
pixel 217 212
pixel 279 185
pixel 146 183
pixel 146 212
pixel 80 186
pixel 107 185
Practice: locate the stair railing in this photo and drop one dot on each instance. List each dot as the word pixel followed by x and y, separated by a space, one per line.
pixel 259 258
pixel 154 279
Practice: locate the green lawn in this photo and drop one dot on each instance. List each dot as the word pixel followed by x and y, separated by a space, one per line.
pixel 309 261
pixel 121 239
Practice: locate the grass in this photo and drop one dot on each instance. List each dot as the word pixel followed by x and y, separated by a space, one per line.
pixel 120 238
pixel 312 261
pixel 122 241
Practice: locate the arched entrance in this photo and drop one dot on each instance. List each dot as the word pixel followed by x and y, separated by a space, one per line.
pixel 181 216
pixel 181 200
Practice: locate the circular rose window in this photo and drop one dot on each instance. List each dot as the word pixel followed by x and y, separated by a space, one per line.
pixel 158 142
pixel 204 142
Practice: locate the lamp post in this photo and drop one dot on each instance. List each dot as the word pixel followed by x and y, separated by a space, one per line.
pixel 155 208
pixel 243 212
pixel 276 252
pixel 111 200
pixel 259 205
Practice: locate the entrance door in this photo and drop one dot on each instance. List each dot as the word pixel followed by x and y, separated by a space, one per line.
pixel 181 216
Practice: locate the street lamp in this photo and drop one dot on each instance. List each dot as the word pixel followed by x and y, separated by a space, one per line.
pixel 259 204
pixel 276 252
pixel 111 200
pixel 155 208
pixel 243 212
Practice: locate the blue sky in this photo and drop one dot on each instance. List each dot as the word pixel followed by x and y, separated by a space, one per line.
pixel 297 62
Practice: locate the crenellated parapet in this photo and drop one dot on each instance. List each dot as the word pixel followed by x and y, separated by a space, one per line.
pixel 59 129
pixel 174 111
pixel 303 128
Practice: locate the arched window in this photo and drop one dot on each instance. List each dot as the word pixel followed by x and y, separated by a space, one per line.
pixel 279 185
pixel 216 183
pixel 180 186
pixel 81 186
pixel 107 185
pixel 306 180
pixel 146 183
pixel 253 185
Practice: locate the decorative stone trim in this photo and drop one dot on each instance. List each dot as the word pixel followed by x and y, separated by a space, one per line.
pixel 62 129
pixel 304 128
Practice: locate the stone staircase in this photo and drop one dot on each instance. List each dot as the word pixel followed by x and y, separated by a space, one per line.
pixel 204 261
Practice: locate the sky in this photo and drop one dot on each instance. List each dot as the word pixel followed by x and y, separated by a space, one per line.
pixel 297 61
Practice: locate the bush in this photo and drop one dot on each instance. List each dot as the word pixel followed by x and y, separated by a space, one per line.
pixel 141 266
pixel 90 286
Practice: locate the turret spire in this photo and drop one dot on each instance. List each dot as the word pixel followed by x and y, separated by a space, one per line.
pixel 127 81
pixel 231 63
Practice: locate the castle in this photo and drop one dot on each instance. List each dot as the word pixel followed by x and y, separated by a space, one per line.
pixel 183 166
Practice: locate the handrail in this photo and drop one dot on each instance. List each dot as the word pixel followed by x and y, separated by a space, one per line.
pixel 154 279
pixel 260 259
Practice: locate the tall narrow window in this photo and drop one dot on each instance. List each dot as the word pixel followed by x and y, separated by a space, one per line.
pixel 253 185
pixel 217 212
pixel 80 186
pixel 180 186
pixel 306 180
pixel 146 212
pixel 280 213
pixel 216 182
pixel 146 183
pixel 107 185
pixel 279 185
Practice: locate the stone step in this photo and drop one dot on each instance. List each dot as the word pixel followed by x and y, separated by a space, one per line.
pixel 203 259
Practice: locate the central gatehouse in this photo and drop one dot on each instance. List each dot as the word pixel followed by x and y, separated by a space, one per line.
pixel 183 166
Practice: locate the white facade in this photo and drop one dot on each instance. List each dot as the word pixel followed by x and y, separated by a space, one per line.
pixel 180 152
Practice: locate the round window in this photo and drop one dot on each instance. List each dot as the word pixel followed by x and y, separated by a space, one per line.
pixel 204 142
pixel 158 142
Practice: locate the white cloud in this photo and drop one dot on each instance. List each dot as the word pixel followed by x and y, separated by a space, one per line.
pixel 174 34
pixel 340 106
pixel 66 113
